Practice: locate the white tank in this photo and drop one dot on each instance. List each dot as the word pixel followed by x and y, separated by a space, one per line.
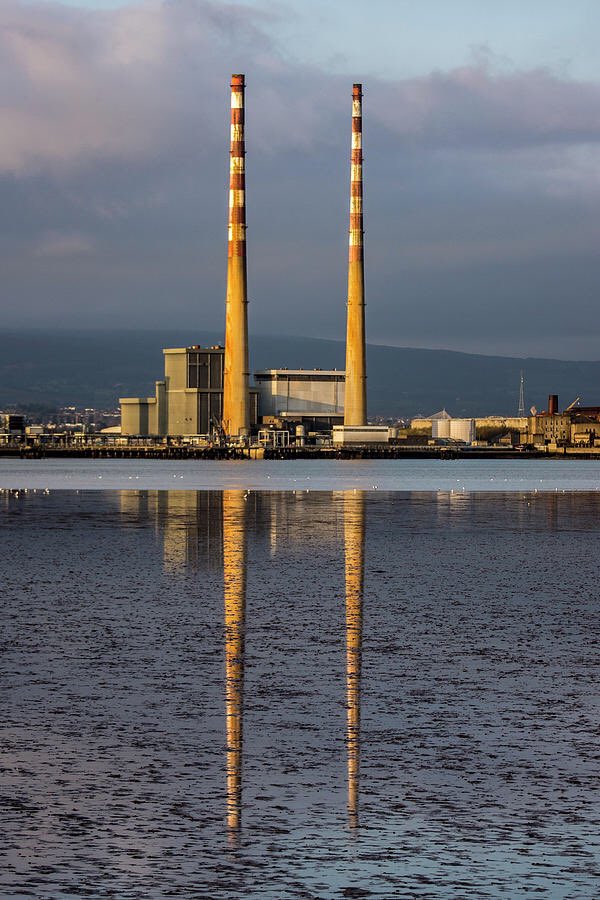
pixel 462 430
pixel 440 428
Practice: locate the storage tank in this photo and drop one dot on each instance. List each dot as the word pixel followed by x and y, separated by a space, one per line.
pixel 300 435
pixel 440 428
pixel 462 430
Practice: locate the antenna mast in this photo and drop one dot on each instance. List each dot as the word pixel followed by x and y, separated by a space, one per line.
pixel 521 412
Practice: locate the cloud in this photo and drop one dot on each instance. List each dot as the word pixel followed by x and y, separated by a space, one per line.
pixel 142 82
pixel 56 244
pixel 80 86
pixel 482 190
pixel 475 106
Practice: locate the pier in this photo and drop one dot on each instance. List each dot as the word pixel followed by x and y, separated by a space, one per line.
pixel 181 451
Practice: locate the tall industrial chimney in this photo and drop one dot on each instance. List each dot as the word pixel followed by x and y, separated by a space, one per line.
pixel 355 404
pixel 236 402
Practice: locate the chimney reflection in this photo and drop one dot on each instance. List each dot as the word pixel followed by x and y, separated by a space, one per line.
pixel 354 547
pixel 234 585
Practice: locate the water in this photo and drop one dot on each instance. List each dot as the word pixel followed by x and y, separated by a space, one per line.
pixel 300 694
pixel 391 475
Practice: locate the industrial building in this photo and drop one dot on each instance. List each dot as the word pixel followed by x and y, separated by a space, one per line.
pixel 11 426
pixel 188 401
pixel 574 426
pixel 346 435
pixel 445 427
pixel 313 397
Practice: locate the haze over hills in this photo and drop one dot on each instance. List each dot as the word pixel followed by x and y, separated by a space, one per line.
pixel 95 368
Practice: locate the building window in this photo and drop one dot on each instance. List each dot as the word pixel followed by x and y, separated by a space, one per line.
pixel 198 370
pixel 216 371
pixel 205 370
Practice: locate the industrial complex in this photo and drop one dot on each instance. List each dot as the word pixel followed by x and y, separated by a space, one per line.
pixel 208 400
pixel 206 392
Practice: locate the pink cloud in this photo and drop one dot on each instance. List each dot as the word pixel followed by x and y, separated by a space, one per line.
pixel 141 82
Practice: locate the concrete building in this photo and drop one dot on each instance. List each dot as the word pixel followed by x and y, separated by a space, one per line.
pixel 575 426
pixel 311 396
pixel 549 429
pixel 347 435
pixel 188 402
pixel 11 424
pixel 508 423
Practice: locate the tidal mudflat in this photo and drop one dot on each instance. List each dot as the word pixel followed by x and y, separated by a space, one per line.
pixel 300 693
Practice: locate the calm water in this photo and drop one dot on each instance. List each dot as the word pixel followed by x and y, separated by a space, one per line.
pixel 300 694
pixel 391 475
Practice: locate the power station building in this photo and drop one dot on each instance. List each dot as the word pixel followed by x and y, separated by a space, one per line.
pixel 314 397
pixel 189 401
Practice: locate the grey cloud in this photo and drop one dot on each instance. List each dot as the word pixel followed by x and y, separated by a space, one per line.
pixel 81 86
pixel 482 189
pixel 139 81
pixel 474 106
pixel 64 244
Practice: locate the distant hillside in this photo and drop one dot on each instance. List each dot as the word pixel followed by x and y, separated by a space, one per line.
pixel 96 368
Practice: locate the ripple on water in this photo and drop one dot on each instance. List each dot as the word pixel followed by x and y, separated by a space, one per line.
pixel 278 694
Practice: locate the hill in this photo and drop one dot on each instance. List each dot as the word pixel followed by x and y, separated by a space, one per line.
pixel 96 368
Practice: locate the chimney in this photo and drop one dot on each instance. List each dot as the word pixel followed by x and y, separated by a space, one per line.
pixel 355 403
pixel 236 401
pixel 552 404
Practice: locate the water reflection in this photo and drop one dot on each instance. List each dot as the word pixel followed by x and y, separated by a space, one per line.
pixel 122 751
pixel 234 589
pixel 200 531
pixel 354 556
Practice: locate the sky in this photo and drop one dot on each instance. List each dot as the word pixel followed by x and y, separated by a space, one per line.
pixel 482 167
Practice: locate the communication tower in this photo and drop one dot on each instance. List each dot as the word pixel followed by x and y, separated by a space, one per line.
pixel 521 411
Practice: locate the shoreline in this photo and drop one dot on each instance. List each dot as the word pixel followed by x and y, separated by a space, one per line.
pixel 181 453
